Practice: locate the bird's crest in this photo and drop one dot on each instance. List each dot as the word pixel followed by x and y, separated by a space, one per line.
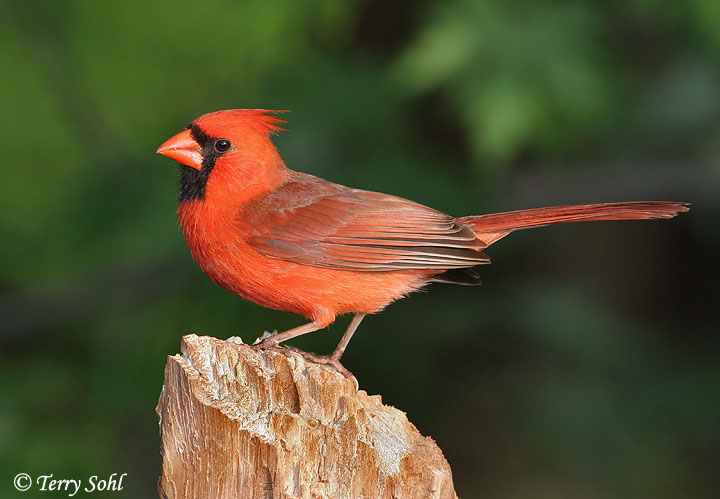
pixel 263 120
pixel 267 118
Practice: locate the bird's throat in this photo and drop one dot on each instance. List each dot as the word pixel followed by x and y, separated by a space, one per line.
pixel 193 183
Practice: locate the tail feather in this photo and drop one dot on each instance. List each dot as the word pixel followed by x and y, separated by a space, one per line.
pixel 491 228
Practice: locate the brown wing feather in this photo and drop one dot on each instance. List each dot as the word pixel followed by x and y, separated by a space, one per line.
pixel 314 222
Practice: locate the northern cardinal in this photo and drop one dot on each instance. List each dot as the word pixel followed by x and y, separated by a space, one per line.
pixel 291 241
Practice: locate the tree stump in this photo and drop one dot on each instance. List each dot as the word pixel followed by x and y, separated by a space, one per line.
pixel 240 421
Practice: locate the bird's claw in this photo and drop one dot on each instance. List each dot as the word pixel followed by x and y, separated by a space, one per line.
pixel 327 360
pixel 332 359
pixel 265 336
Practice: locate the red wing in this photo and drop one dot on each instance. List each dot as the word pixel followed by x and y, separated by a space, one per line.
pixel 314 222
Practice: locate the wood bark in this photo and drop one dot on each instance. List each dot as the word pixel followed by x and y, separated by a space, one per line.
pixel 240 421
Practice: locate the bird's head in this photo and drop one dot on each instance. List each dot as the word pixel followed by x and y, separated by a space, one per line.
pixel 226 154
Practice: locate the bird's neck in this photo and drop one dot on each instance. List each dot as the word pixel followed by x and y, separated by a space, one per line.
pixel 226 194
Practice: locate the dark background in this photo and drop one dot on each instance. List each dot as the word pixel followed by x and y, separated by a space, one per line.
pixel 587 364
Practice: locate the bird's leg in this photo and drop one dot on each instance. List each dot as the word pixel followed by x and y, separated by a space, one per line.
pixel 332 359
pixel 340 349
pixel 289 334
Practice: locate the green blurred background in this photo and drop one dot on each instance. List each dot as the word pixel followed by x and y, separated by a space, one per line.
pixel 587 364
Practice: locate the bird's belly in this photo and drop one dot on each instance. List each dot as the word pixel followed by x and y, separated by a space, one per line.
pixel 319 293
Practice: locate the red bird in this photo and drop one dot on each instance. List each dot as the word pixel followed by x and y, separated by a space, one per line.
pixel 291 241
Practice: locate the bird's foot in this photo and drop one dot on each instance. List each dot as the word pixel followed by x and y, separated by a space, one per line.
pixel 331 360
pixel 264 337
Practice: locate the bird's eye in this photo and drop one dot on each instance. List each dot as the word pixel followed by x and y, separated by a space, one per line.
pixel 222 145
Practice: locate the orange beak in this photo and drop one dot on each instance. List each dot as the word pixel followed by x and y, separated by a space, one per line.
pixel 184 149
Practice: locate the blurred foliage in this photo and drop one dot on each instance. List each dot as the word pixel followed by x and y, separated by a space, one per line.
pixel 522 74
pixel 587 366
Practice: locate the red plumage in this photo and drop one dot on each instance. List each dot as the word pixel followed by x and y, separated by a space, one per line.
pixel 294 242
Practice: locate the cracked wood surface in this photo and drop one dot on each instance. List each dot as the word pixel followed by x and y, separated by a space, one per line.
pixel 239 421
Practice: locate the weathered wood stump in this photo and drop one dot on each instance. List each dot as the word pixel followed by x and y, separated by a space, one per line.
pixel 240 421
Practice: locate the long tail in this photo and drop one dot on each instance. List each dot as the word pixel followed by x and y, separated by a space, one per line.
pixel 490 228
